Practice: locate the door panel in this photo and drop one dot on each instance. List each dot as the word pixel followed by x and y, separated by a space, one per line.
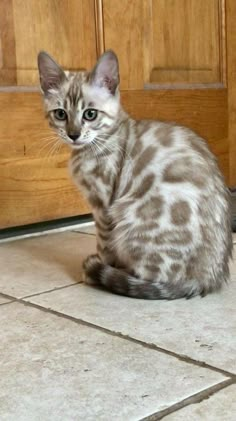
pixel 166 41
pixel 65 28
pixel 186 41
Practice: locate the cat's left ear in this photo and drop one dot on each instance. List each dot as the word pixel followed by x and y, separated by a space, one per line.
pixel 106 72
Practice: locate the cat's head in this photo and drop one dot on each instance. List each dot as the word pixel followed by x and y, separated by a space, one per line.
pixel 81 106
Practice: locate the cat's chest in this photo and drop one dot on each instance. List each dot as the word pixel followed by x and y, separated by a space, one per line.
pixel 96 180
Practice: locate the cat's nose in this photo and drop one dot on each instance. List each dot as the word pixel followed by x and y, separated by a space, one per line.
pixel 74 137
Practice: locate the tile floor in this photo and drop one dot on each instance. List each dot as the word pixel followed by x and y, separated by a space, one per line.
pixel 70 352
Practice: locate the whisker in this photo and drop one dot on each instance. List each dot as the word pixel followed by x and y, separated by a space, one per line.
pixel 113 149
pixel 53 150
pixel 47 145
pixel 95 149
pixel 115 146
pixel 46 139
pixel 51 153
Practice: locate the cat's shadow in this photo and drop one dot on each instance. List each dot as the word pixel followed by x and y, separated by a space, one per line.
pixel 54 256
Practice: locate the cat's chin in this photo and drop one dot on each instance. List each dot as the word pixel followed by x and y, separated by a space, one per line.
pixel 77 145
pixel 74 145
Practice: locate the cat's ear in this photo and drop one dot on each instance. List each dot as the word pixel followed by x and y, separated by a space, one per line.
pixel 51 75
pixel 106 72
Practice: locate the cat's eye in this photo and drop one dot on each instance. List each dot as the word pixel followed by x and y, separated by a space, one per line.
pixel 60 114
pixel 90 114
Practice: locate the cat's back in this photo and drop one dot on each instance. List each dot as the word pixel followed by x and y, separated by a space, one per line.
pixel 177 154
pixel 175 164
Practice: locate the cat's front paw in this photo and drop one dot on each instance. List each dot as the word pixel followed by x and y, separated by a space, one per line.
pixel 90 267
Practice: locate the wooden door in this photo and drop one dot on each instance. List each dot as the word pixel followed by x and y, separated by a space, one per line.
pixel 34 181
pixel 177 62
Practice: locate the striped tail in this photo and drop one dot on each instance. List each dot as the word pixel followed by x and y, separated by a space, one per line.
pixel 122 283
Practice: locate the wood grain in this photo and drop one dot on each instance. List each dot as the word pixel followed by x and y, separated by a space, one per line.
pixel 33 190
pixel 163 41
pixel 99 27
pixel 28 131
pixel 203 110
pixel 186 41
pixel 231 83
pixel 66 29
pixel 222 37
pixel 7 44
pixel 34 181
pixel 124 32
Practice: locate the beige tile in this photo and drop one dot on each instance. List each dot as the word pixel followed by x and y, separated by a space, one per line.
pixel 87 229
pixel 234 248
pixel 233 269
pixel 201 328
pixel 55 369
pixel 34 265
pixel 219 407
pixel 233 263
pixel 234 237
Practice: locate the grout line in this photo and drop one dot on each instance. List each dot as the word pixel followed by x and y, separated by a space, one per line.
pixel 194 399
pixel 10 297
pixel 50 290
pixel 7 302
pixel 147 345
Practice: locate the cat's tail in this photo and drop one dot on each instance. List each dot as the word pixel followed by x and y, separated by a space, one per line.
pixel 120 282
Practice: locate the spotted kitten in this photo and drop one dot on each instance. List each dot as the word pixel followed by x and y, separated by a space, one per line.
pixel 159 201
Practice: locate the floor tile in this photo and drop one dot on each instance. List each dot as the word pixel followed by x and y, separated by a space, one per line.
pixel 234 237
pixel 233 269
pixel 33 265
pixel 53 368
pixel 219 407
pixel 201 328
pixel 3 300
pixel 233 262
pixel 87 229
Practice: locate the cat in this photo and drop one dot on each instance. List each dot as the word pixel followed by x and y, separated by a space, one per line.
pixel 159 201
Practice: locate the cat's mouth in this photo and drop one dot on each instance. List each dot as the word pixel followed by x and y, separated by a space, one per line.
pixel 77 143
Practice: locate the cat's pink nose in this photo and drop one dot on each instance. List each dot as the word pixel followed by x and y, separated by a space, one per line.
pixel 74 137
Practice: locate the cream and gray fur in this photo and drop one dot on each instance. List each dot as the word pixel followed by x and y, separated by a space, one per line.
pixel 159 201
